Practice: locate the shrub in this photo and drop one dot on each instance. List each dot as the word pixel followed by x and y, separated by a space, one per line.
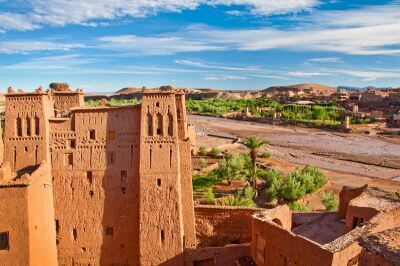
pixel 275 181
pixel 210 196
pixel 295 206
pixel 202 163
pixel 232 167
pixel 243 198
pixel 330 201
pixel 202 151
pixel 215 151
pixel 265 155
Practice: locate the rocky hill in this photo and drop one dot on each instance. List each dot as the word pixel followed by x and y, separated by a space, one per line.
pixel 314 87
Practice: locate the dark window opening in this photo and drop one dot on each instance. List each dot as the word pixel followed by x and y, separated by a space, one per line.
pixel 157 104
pixel 170 125
pixel 149 124
pixel 159 124
pixel 26 148
pixel 71 143
pixel 37 129
pixel 111 157
pixel 162 236
pixel 159 182
pixel 150 158
pixel 19 127
pixel 123 190
pixel 75 233
pixel 109 231
pixel 4 239
pixel 124 174
pixel 69 159
pixel 28 126
pixel 91 194
pixel 89 176
pixel 170 158
pixel 57 227
pixel 92 134
pixel 357 222
pixel 83 249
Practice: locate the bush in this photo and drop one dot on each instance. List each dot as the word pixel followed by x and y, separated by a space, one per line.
pixel 210 196
pixel 295 206
pixel 243 198
pixel 202 151
pixel 202 163
pixel 298 183
pixel 265 155
pixel 330 201
pixel 232 167
pixel 215 151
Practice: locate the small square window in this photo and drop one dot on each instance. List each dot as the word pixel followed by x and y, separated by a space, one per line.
pixel 157 104
pixel 109 231
pixel 92 134
pixel 158 182
pixel 124 175
pixel 69 159
pixel 71 144
pixel 4 238
pixel 111 135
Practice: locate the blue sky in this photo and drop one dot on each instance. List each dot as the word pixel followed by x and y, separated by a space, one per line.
pixel 104 45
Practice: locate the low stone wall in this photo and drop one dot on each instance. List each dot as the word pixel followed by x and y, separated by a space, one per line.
pixel 221 225
pixel 230 255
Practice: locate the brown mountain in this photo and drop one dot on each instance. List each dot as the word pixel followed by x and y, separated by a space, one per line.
pixel 314 87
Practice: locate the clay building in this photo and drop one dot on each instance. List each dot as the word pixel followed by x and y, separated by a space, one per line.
pixel 111 185
pixel 103 185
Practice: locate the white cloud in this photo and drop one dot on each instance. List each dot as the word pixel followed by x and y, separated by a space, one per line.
pixel 63 12
pixel 225 77
pixel 159 45
pixel 369 75
pixel 27 46
pixel 308 74
pixel 326 60
pixel 202 64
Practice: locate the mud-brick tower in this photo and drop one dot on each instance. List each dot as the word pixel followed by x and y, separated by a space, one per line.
pixel 166 205
pixel 26 135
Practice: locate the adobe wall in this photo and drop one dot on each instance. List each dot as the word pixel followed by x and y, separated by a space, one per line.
pixel 65 100
pixel 220 225
pixel 219 256
pixel 273 245
pixel 162 229
pixel 14 220
pixel 280 215
pixel 42 231
pixel 96 204
pixel 356 212
pixel 26 129
pixel 345 196
pixel 372 259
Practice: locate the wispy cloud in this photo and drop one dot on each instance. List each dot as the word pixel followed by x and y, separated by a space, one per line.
pixel 326 60
pixel 28 46
pixel 158 45
pixel 88 12
pixel 307 74
pixel 226 77
pixel 211 65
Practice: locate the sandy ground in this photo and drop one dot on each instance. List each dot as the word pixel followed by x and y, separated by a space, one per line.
pixel 347 159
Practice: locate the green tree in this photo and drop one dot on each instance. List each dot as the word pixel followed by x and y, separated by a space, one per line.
pixel 254 143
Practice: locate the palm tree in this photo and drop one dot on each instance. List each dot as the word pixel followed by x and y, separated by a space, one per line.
pixel 254 143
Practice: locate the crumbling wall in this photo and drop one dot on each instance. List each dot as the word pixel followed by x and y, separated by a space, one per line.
pixel 345 196
pixel 281 215
pixel 220 225
pixel 273 245
pixel 230 255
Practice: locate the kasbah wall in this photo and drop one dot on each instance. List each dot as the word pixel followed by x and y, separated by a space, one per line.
pixel 101 185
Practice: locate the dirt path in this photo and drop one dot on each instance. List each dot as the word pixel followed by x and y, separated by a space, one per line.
pixel 347 159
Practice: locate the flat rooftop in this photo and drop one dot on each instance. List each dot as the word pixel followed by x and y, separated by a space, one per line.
pixel 376 198
pixel 320 227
